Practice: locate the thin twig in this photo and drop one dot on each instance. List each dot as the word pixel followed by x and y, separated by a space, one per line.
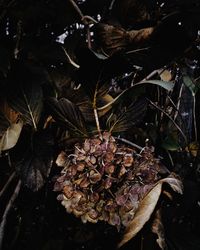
pixel 179 102
pixel 18 37
pixel 137 50
pixel 78 10
pixel 70 60
pixel 129 142
pixel 153 73
pixel 7 184
pixel 8 207
pixel 86 20
pixel 97 123
pixel 89 18
pixel 194 118
pixel 173 121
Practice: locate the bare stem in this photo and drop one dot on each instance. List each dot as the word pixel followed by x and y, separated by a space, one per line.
pixel 80 13
pixel 19 35
pixel 7 184
pixel 173 121
pixel 194 118
pixel 96 112
pixel 97 122
pixel 129 142
pixel 8 207
pixel 179 102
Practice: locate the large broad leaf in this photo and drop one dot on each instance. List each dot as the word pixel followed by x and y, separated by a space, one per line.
pixel 127 117
pixel 147 206
pixel 35 167
pixel 79 97
pixel 28 101
pixel 166 85
pixel 68 114
pixel 24 92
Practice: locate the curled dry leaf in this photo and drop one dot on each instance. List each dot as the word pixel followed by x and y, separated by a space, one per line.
pixel 62 159
pixel 143 213
pixel 147 206
pixel 10 127
pixel 112 39
pixel 68 114
pixel 10 137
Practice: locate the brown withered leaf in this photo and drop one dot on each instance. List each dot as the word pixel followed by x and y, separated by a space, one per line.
pixel 10 137
pixel 158 228
pixel 62 159
pixel 142 215
pixel 127 117
pixel 10 127
pixel 147 206
pixel 112 39
pixel 67 113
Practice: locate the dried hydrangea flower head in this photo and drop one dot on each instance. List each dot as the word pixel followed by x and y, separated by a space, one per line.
pixel 106 180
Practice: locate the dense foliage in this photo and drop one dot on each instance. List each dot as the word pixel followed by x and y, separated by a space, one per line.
pixel 99 102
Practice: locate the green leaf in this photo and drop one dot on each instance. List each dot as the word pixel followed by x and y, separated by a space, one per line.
pixel 68 114
pixel 170 143
pixel 190 84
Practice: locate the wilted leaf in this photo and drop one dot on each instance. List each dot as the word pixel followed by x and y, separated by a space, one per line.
pixel 174 182
pixel 143 213
pixel 124 119
pixel 158 228
pixel 10 137
pixel 147 206
pixel 62 159
pixel 35 167
pixel 68 114
pixel 10 127
pixel 27 100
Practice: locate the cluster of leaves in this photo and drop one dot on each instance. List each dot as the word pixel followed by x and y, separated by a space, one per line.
pixel 65 77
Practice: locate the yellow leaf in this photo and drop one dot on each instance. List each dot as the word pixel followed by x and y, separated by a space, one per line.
pixel 166 76
pixel 193 148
